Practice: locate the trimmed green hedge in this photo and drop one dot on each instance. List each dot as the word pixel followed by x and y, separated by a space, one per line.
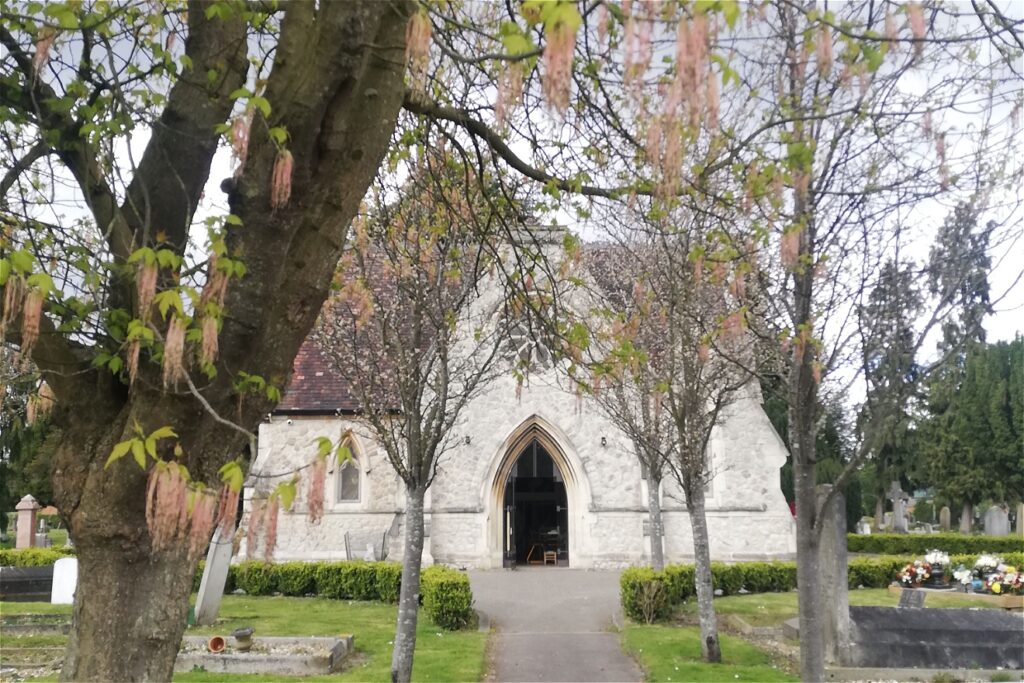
pixel 919 544
pixel 33 557
pixel 445 592
pixel 447 596
pixel 764 577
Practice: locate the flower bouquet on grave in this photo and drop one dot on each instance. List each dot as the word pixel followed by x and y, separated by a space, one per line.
pixel 914 575
pixel 1007 582
pixel 938 561
pixel 984 567
pixel 965 577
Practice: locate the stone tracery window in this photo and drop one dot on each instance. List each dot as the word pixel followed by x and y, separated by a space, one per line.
pixel 523 349
pixel 347 479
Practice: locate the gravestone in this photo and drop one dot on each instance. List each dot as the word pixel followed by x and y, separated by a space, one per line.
pixel 944 518
pixel 899 513
pixel 26 508
pixel 1020 519
pixel 65 580
pixel 912 597
pixel 834 570
pixel 215 576
pixel 997 522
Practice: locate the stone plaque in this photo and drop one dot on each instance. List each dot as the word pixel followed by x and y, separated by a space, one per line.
pixel 944 518
pixel 912 597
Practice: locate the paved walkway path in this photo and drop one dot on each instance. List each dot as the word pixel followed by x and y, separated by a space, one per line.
pixel 553 624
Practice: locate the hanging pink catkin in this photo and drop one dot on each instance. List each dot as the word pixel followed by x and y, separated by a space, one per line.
pixel 254 526
pixel 174 352
pixel 43 45
pixel 203 508
pixel 145 284
pixel 31 315
pixel 315 492
pixel 227 510
pixel 270 538
pixel 281 182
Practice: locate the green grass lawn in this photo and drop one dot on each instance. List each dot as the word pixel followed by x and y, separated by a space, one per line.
pixel 770 609
pixel 440 655
pixel 672 653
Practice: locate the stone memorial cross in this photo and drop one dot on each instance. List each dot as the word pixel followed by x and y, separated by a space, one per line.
pixel 899 514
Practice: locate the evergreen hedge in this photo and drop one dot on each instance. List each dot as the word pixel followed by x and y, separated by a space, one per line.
pixel 445 592
pixel 447 596
pixel 33 557
pixel 919 544
pixel 764 577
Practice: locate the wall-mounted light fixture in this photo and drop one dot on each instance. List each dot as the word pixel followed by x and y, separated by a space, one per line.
pixel 604 441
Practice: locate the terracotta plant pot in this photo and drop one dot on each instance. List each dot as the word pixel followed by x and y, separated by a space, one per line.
pixel 216 644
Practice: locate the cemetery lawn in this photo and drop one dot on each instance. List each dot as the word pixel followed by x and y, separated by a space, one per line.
pixel 672 653
pixel 440 655
pixel 771 609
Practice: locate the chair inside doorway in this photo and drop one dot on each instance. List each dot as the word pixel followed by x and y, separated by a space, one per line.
pixel 537 517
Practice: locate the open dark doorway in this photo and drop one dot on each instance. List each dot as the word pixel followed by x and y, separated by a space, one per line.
pixel 536 515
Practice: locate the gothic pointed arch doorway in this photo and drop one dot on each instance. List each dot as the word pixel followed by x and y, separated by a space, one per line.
pixel 536 499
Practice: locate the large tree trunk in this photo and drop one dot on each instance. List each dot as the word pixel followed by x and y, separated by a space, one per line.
pixel 710 648
pixel 880 512
pixel 654 515
pixel 131 603
pixel 967 518
pixel 409 597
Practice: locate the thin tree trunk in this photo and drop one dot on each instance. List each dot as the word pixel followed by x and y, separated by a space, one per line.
pixel 654 515
pixel 409 597
pixel 967 518
pixel 808 576
pixel 710 648
pixel 880 512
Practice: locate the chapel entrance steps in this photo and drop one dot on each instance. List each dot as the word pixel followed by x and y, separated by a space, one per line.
pixel 553 624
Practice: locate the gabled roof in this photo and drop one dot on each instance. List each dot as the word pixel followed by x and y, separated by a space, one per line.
pixel 316 388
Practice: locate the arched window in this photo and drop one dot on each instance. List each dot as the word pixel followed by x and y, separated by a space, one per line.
pixel 347 479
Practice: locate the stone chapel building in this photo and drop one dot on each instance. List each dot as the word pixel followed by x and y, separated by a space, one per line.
pixel 539 478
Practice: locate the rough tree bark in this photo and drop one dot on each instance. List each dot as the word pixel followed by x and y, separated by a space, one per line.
pixel 409 597
pixel 710 648
pixel 654 516
pixel 967 518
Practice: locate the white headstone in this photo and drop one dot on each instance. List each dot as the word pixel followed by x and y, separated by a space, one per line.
pixel 944 517
pixel 997 522
pixel 215 576
pixel 369 555
pixel 65 579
